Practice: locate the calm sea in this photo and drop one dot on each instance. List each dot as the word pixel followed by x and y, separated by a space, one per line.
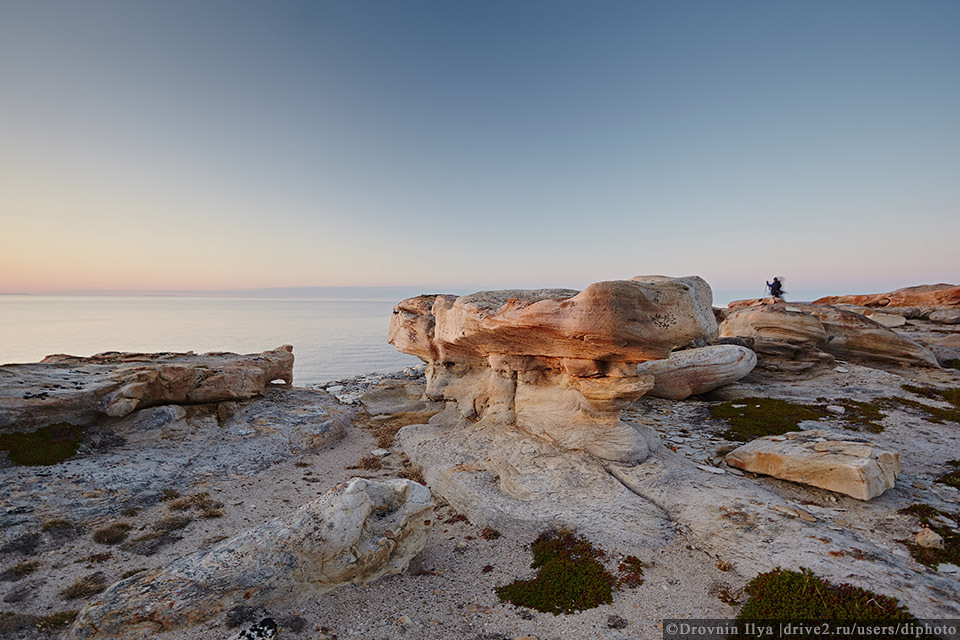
pixel 331 338
pixel 338 334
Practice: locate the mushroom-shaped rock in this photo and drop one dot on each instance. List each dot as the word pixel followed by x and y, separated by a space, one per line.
pixel 355 533
pixel 556 363
pixel 821 459
pixel 692 371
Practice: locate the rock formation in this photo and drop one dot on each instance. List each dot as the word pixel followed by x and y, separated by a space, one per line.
pixel 804 333
pixel 81 390
pixel 693 371
pixel 821 459
pixel 925 295
pixel 353 534
pixel 555 363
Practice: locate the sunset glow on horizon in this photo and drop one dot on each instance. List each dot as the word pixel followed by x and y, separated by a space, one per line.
pixel 236 145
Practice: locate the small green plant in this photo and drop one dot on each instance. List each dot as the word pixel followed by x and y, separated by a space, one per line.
pixel 56 524
pixel 55 621
pixel 200 501
pixel 630 572
pixel 172 523
pixel 953 363
pixel 44 447
pixel 385 429
pixel 783 594
pixel 97 557
pixel 369 463
pixel 752 418
pixel 489 533
pixel 112 534
pixel 931 517
pixel 85 587
pixel 411 471
pixel 570 577
pixel 132 572
pixel 19 571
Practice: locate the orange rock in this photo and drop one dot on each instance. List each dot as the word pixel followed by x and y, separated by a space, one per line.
pixel 925 295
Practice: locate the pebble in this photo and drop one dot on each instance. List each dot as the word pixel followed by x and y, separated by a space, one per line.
pixel 704 467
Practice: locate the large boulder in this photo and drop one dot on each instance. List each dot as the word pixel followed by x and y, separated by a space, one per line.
pixel 856 337
pixel 693 371
pixel 821 459
pixel 776 329
pixel 925 295
pixel 355 533
pixel 554 362
pixel 80 391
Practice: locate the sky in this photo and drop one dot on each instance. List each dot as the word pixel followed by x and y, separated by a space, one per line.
pixel 183 145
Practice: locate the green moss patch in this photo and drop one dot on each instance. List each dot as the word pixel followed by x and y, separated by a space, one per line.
pixel 783 594
pixel 945 395
pixel 953 363
pixel 571 577
pixel 933 414
pixel 951 479
pixel 44 447
pixel 859 414
pixel 752 418
pixel 931 517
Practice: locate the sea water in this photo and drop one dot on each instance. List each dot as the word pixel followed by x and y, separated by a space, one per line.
pixel 335 334
pixel 331 338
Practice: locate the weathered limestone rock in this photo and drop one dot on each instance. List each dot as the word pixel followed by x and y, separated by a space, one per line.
pixel 81 390
pixel 945 316
pixel 517 483
pixel 553 362
pixel 803 332
pixel 821 459
pixel 929 538
pixel 776 329
pixel 692 371
pixel 626 320
pixel 355 533
pixel 925 295
pixel 856 337
pixel 889 320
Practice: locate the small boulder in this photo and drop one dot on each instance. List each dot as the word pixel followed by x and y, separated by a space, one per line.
pixel 693 371
pixel 889 320
pixel 929 538
pixel 821 459
pixel 945 316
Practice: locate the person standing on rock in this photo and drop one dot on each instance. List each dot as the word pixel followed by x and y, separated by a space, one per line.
pixel 776 288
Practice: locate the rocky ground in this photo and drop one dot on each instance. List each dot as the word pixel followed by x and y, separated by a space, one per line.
pixel 169 480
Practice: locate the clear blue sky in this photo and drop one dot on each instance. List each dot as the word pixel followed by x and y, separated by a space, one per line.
pixel 216 144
